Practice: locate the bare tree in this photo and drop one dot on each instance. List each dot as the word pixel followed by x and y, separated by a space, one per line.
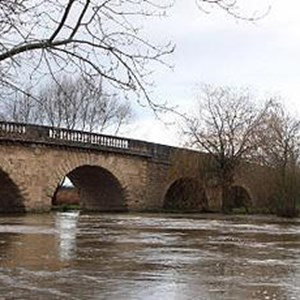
pixel 225 126
pixel 232 8
pixel 280 151
pixel 21 108
pixel 41 38
pixel 72 103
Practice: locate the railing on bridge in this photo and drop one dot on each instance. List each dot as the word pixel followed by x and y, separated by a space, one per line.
pixel 10 131
pixel 88 138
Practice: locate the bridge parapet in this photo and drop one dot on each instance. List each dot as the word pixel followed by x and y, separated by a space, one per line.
pixel 14 129
pixel 28 133
pixel 87 138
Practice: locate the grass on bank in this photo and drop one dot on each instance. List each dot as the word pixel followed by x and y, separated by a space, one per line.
pixel 65 207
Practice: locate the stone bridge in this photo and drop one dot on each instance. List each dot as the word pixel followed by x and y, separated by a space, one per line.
pixel 111 173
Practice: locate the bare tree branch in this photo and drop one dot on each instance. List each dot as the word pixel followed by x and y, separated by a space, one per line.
pixel 101 37
pixel 79 103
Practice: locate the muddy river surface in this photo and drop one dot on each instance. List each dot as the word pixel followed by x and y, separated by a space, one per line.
pixel 124 256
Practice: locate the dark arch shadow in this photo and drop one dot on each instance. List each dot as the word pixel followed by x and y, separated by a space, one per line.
pixel 11 200
pixel 239 198
pixel 98 189
pixel 186 194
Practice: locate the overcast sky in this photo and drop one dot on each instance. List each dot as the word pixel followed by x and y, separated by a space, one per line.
pixel 216 48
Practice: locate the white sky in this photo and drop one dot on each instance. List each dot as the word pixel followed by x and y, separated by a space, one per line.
pixel 218 49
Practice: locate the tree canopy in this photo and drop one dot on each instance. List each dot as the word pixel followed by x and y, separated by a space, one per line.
pixel 225 125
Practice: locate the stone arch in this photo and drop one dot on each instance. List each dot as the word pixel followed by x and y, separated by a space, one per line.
pixel 240 197
pixel 99 189
pixel 186 194
pixel 11 198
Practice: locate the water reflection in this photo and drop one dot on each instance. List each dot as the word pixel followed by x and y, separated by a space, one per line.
pixel 66 226
pixel 94 256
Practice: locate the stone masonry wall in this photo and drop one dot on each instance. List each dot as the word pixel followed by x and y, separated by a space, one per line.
pixel 37 169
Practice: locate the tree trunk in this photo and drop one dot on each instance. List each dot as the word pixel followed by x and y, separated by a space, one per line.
pixel 226 197
pixel 227 179
pixel 287 193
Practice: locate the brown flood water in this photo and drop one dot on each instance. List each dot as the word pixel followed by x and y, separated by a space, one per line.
pixel 125 256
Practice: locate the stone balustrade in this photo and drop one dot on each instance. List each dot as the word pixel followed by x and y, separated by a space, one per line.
pixel 28 133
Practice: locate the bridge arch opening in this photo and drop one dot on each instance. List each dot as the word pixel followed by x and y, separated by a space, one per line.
pixel 186 194
pixel 239 198
pixel 11 200
pixel 93 188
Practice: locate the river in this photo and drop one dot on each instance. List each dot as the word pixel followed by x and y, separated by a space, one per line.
pixel 149 257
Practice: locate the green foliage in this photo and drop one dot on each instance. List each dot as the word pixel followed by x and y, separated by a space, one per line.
pixel 65 207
